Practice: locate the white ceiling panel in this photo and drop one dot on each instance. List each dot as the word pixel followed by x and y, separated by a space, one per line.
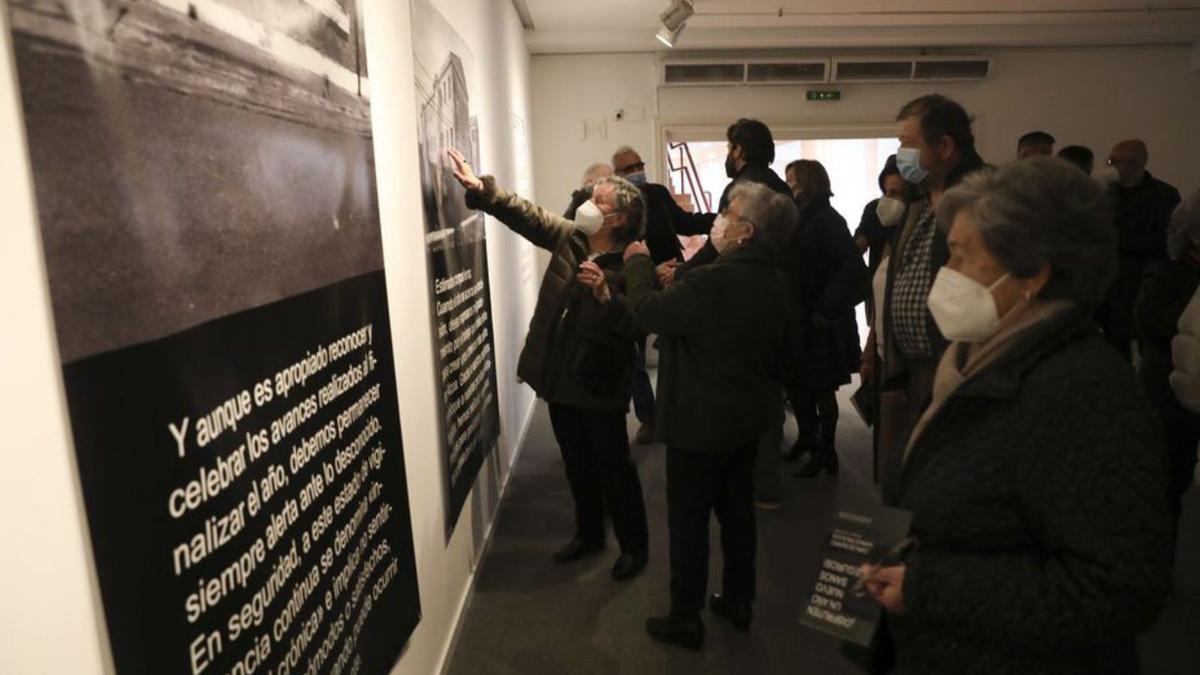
pixel 629 25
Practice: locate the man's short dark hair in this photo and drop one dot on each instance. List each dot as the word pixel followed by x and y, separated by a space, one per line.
pixel 755 140
pixel 1035 138
pixel 1079 155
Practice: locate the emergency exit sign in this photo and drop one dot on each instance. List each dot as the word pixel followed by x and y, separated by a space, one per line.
pixel 824 95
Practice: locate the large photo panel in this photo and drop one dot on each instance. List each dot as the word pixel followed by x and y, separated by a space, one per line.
pixel 455 242
pixel 205 187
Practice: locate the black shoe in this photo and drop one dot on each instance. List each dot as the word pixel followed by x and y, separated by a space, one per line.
pixel 736 613
pixel 577 548
pixel 628 566
pixel 818 462
pixel 684 631
pixel 800 448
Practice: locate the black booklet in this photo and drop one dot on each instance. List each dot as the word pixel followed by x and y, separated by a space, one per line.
pixel 863 531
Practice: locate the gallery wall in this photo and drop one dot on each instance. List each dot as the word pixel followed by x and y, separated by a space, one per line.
pixel 1087 96
pixel 52 620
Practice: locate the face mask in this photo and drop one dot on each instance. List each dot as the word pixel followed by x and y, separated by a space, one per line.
pixel 717 234
pixel 638 178
pixel 890 211
pixel 730 165
pixel 963 308
pixel 589 218
pixel 908 161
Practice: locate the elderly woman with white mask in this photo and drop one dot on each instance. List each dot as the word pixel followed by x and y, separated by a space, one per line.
pixel 1035 478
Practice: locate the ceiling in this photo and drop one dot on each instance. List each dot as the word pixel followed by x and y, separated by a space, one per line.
pixel 582 26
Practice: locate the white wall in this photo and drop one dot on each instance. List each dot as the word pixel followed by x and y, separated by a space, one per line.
pixel 52 621
pixel 578 92
pixel 1087 96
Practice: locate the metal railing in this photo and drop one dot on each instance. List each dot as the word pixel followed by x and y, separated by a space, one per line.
pixel 689 174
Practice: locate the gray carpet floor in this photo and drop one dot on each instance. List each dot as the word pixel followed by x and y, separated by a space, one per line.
pixel 529 615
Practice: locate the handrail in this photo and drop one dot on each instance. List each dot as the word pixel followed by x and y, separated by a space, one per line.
pixel 691 175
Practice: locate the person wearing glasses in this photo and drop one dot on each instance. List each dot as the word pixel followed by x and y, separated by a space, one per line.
pixel 665 220
pixel 1143 205
pixel 1036 476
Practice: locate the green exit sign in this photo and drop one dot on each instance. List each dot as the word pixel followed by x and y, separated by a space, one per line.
pixel 824 95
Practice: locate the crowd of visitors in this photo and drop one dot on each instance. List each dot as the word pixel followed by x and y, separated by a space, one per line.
pixel 1032 362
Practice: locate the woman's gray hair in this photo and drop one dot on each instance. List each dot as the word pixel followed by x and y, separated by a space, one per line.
pixel 1042 212
pixel 1183 232
pixel 627 199
pixel 774 215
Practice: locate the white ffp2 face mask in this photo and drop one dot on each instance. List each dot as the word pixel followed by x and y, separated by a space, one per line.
pixel 890 211
pixel 717 234
pixel 589 218
pixel 964 309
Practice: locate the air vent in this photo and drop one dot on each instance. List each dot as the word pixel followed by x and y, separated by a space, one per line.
pixel 787 73
pixel 858 69
pixel 872 71
pixel 704 73
pixel 953 69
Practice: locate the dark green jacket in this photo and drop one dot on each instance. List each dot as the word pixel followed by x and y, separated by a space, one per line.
pixel 720 334
pixel 578 352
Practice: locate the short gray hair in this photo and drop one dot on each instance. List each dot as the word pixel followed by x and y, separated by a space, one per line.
pixel 627 199
pixel 594 171
pixel 623 150
pixel 1042 212
pixel 774 215
pixel 1183 232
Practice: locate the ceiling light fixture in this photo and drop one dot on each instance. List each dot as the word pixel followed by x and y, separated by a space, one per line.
pixel 673 20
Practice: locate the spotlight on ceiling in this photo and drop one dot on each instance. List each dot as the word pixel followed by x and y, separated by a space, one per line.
pixel 673 20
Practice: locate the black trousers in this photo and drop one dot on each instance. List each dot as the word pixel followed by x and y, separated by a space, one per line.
pixel 700 483
pixel 642 391
pixel 600 472
pixel 816 414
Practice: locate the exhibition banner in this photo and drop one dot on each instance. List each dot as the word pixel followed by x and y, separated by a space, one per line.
pixel 204 179
pixel 456 245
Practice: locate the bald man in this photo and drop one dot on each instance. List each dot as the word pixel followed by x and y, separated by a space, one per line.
pixel 1143 206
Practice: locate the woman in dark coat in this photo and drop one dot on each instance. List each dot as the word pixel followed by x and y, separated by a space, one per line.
pixel 579 352
pixel 1036 476
pixel 721 331
pixel 833 280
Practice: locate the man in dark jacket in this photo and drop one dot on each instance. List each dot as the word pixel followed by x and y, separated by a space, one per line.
pixel 751 152
pixel 937 149
pixel 665 221
pixel 577 355
pixel 1143 207
pixel 721 335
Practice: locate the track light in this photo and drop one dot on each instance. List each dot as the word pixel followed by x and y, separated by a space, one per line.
pixel 673 20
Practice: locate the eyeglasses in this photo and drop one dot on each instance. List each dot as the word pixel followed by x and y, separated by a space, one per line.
pixel 632 168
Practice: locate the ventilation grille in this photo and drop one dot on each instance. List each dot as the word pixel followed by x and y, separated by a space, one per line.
pixel 784 73
pixel 817 71
pixel 958 69
pixel 872 71
pixel 704 73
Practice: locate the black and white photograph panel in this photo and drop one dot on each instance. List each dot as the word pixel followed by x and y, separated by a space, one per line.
pixel 194 157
